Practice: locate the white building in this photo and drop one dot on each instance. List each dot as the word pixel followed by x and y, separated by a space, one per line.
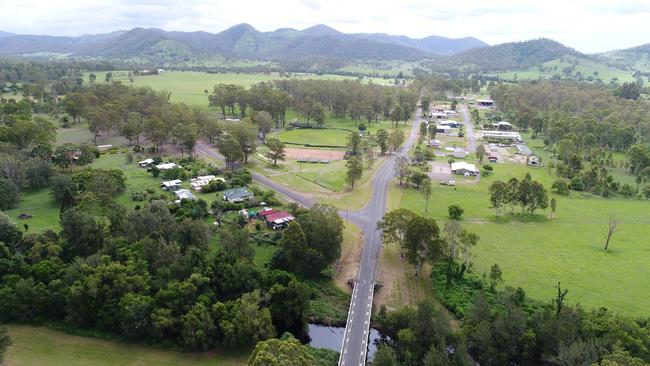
pixel 463 168
pixel 167 166
pixel 184 194
pixel 171 185
pixel 145 163
pixel 201 181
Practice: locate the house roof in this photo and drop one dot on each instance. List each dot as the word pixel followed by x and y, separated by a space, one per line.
pixel 170 183
pixel 237 192
pixel 461 165
pixel 146 161
pixel 281 215
pixel 166 166
pixel 184 194
pixel 267 212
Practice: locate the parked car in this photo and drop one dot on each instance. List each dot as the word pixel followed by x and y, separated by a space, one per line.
pixel 448 182
pixel 492 159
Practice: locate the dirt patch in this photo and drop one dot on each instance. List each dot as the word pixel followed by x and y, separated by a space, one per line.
pixel 348 264
pixel 299 154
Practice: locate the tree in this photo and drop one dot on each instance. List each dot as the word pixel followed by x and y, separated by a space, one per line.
pixel 289 304
pixel 323 228
pixel 553 206
pixel 396 139
pixel 393 226
pixel 264 122
pixel 480 153
pixel 422 241
pixel 385 356
pixel 559 299
pixel 280 352
pixel 83 234
pixel 382 140
pixel 354 143
pixel 496 277
pixel 245 137
pixel 354 170
pixel 231 150
pixel 276 150
pixel 455 211
pixel 5 342
pixel 401 168
pixel 560 186
pixel 426 188
pixel 237 243
pixel 396 114
pixel 9 233
pixel 67 201
pixel 9 194
pixel 612 224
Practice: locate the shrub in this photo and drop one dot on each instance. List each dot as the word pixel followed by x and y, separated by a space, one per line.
pixel 577 185
pixel 455 211
pixel 560 186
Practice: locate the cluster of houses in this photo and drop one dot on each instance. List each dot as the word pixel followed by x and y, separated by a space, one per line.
pixel 274 219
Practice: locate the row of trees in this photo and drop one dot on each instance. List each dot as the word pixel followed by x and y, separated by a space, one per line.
pixel 528 194
pixel 313 99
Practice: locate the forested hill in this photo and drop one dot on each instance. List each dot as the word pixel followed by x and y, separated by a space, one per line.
pixel 513 56
pixel 241 41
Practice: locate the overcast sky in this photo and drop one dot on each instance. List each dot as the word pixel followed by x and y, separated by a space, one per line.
pixel 586 25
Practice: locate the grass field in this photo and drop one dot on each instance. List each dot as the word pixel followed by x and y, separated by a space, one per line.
pixel 315 136
pixel 44 346
pixel 189 87
pixel 537 252
pixel 587 68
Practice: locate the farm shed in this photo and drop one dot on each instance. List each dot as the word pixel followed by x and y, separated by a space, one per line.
pixel 463 168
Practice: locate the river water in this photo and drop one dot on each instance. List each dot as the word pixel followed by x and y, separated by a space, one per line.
pixel 331 338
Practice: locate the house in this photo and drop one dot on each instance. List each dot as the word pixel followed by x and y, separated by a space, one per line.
pixel 460 153
pixel 523 150
pixel 438 115
pixel 463 168
pixel 434 143
pixel 167 166
pixel 502 136
pixel 444 129
pixel 146 163
pixel 266 212
pixel 103 148
pixel 502 126
pixel 485 103
pixel 201 181
pixel 184 194
pixel 278 219
pixel 238 194
pixel 450 123
pixel 171 185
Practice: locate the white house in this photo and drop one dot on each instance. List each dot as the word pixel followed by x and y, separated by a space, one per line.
pixel 167 166
pixel 184 194
pixel 145 163
pixel 444 129
pixel 171 185
pixel 463 168
pixel 201 181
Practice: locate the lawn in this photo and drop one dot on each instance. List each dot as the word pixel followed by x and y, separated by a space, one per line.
pixel 315 136
pixel 189 87
pixel 537 252
pixel 44 346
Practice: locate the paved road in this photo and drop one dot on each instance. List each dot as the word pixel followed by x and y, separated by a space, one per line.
pixel 469 129
pixel 205 149
pixel 355 339
pixel 355 342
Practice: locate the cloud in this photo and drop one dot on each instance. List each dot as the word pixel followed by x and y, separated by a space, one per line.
pixel 587 25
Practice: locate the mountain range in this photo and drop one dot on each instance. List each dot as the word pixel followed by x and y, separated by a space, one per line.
pixel 241 41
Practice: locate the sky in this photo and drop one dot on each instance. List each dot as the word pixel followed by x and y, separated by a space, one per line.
pixel 586 25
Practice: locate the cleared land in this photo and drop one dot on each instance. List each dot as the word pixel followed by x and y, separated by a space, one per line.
pixel 315 137
pixel 189 87
pixel 536 252
pixel 299 154
pixel 44 346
